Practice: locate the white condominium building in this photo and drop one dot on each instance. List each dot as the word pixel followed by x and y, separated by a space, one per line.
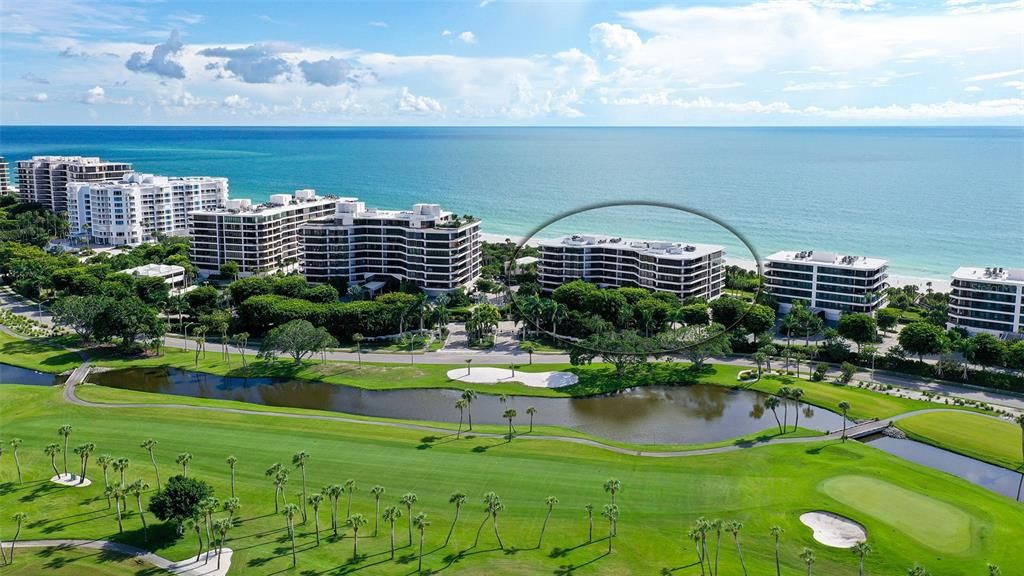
pixel 827 282
pixel 437 250
pixel 988 300
pixel 44 179
pixel 260 238
pixel 5 179
pixel 683 269
pixel 173 276
pixel 138 207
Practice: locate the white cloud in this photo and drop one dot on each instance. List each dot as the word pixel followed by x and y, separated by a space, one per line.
pixel 973 89
pixel 614 40
pixel 160 61
pixel 818 86
pixel 377 24
pixel 446 32
pixel 38 97
pixel 1018 84
pixel 409 102
pixel 468 37
pixel 995 75
pixel 94 95
pixel 235 101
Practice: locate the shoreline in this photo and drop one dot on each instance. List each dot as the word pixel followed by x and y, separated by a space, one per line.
pixel 895 280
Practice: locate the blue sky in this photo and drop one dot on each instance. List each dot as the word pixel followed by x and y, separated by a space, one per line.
pixel 769 62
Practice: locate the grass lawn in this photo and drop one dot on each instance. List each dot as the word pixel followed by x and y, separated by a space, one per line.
pixel 761 487
pixel 71 561
pixel 988 439
pixel 37 354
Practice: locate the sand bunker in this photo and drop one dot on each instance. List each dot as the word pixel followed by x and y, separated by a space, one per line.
pixel 834 530
pixel 71 480
pixel 484 375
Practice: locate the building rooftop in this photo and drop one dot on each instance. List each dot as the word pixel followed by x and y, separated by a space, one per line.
pixel 277 203
pixel 160 270
pixel 662 249
pixel 828 258
pixel 142 179
pixel 72 159
pixel 993 274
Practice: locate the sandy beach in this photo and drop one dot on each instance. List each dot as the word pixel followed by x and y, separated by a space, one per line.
pixel 895 280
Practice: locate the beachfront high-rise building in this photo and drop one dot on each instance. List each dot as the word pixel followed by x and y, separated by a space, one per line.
pixel 44 179
pixel 682 269
pixel 436 250
pixel 5 179
pixel 988 300
pixel 139 207
pixel 260 238
pixel 828 283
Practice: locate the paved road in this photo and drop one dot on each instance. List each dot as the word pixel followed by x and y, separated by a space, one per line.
pixel 71 397
pixel 206 566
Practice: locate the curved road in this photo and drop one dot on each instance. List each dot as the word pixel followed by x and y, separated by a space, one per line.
pixel 183 568
pixel 80 373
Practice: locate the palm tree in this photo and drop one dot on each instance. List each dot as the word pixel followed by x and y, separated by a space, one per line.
pixel 469 367
pixel 52 450
pixel 460 405
pixel 392 514
pixel 917 570
pixel 488 498
pixel 281 483
pixel 590 522
pixel 232 506
pixel 421 524
pixel 612 486
pixel 65 432
pixel 994 570
pixel 558 312
pixel 716 525
pixel 119 466
pixel 777 532
pixel 149 445
pixel 221 527
pixel 350 487
pixel 208 506
pixel 529 348
pixel 796 394
pixel 315 501
pixel 136 489
pixel 509 415
pixel 289 513
pixel 183 459
pixel 469 395
pixel 807 555
pixel 15 443
pixel 861 549
pixel 772 403
pixel 458 499
pixel 407 500
pixel 759 359
pixel 273 473
pixel 299 459
pixel 783 394
pixel 531 411
pixel 358 339
pixel 241 339
pixel 695 534
pixel 377 492
pixel 734 528
pixel 550 501
pixel 105 461
pixel 18 517
pixel 355 522
pixel 611 513
pixel 493 508
pixel 333 493
pixel 117 493
pixel 196 523
pixel 232 460
pixel 845 407
pixel 83 451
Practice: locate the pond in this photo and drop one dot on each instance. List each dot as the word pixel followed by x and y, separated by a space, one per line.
pixel 15 375
pixel 691 414
pixel 994 478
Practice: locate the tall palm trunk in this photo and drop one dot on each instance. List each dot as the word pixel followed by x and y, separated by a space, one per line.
pixel 543 527
pixel 142 516
pixel 156 469
pixel 303 469
pixel 739 553
pixel 590 527
pixel 291 533
pixel 419 564
pixel 392 539
pixel 778 567
pixel 120 526
pixel 480 529
pixel 496 534
pixel 454 521
pixel 718 549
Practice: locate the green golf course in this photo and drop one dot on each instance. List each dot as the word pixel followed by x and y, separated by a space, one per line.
pixel 994 441
pixel 912 514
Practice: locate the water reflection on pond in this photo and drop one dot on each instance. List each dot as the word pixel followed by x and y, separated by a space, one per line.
pixel 15 375
pixel 655 415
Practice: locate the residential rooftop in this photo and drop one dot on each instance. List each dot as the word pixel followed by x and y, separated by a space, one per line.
pixel 276 204
pixel 828 259
pixel 992 274
pixel 160 270
pixel 660 248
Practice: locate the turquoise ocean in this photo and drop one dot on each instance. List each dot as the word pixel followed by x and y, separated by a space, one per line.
pixel 926 199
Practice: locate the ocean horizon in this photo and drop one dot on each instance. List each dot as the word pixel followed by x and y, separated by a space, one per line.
pixel 928 199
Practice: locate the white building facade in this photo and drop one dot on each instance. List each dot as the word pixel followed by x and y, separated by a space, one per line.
pixel 686 270
pixel 260 238
pixel 139 207
pixel 988 300
pixel 5 179
pixel 828 283
pixel 173 276
pixel 44 179
pixel 436 250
